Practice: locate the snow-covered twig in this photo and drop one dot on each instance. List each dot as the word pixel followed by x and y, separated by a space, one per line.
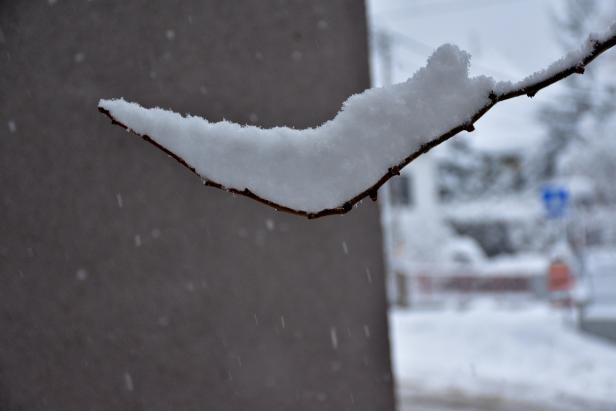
pixel 328 169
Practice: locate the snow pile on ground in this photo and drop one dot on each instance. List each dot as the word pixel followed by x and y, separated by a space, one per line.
pixel 323 167
pixel 526 355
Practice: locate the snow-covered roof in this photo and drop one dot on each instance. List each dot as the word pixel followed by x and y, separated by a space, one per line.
pixel 520 264
pixel 503 208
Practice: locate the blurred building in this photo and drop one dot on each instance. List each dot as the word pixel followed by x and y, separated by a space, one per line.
pixel 459 227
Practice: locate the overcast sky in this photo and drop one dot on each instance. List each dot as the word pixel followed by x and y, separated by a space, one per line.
pixel 508 40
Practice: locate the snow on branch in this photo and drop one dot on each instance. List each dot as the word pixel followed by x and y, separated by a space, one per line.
pixel 328 169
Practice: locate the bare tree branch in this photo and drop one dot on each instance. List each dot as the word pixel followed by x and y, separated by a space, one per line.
pixel 529 89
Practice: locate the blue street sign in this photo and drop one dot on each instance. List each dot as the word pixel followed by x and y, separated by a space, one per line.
pixel 555 199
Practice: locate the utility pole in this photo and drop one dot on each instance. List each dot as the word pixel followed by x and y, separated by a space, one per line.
pixel 396 283
pixel 383 42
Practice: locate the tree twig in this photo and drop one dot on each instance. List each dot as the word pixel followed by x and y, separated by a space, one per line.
pixel 530 89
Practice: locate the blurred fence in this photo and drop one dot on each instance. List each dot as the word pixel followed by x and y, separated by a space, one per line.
pixel 433 285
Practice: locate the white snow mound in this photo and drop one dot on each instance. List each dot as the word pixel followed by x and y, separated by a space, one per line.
pixel 321 168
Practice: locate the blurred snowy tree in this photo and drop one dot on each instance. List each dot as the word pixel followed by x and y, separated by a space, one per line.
pixel 580 124
pixel 562 116
pixel 580 148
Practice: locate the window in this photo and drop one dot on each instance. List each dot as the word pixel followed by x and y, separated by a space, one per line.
pixel 401 190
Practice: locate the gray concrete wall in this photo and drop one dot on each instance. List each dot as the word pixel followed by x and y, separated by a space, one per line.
pixel 125 284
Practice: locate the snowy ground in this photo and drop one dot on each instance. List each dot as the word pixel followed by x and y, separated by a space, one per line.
pixel 499 359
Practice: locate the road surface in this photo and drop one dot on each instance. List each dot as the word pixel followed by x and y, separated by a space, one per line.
pixel 458 402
